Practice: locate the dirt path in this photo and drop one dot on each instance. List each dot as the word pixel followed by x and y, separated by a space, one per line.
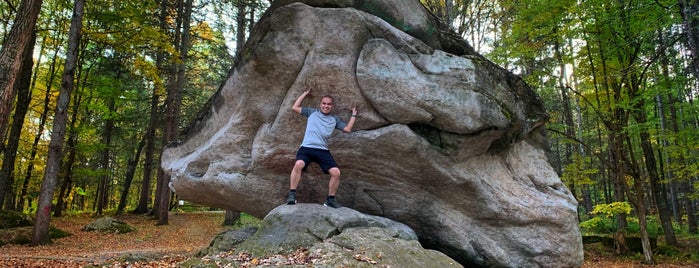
pixel 185 234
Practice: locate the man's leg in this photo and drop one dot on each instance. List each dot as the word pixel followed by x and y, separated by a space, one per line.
pixel 294 180
pixel 332 187
pixel 334 181
pixel 295 177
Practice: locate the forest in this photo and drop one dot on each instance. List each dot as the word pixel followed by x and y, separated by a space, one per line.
pixel 90 92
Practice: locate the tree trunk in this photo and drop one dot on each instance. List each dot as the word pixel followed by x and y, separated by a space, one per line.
pixel 567 114
pixel 684 187
pixel 578 125
pixel 638 198
pixel 641 210
pixel 67 173
pixel 162 191
pixel 37 137
pixel 11 55
pixel 686 190
pixel 24 97
pixel 103 188
pixel 240 18
pixel 654 177
pixel 130 172
pixel 645 240
pixel 616 145
pixel 231 217
pixel 43 214
pixel 145 198
pixel 619 196
pixel 689 10
pixel 174 100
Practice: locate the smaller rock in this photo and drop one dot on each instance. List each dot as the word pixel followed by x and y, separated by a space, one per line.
pixel 311 234
pixel 109 225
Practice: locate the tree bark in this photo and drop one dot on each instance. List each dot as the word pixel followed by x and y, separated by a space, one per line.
pixel 128 177
pixel 240 18
pixel 657 189
pixel 567 114
pixel 174 100
pixel 66 174
pixel 24 97
pixel 145 198
pixel 639 203
pixel 231 217
pixel 11 55
pixel 686 190
pixel 689 10
pixel 37 137
pixel 43 215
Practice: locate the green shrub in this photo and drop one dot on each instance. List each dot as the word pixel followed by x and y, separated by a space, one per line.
pixel 653 226
pixel 598 225
pixel 667 250
pixel 607 225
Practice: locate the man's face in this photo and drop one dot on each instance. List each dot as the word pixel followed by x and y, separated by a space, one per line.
pixel 326 105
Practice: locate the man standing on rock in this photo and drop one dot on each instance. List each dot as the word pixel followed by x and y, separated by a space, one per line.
pixel 314 148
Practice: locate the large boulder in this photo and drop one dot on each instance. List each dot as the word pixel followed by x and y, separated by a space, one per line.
pixel 446 142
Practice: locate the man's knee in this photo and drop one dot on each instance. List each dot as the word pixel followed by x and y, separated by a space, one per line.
pixel 299 164
pixel 334 172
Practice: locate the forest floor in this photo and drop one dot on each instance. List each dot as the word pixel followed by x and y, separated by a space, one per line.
pixel 181 239
pixel 163 246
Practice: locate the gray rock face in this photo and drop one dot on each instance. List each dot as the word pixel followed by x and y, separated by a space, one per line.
pixel 286 228
pixel 228 240
pixel 446 142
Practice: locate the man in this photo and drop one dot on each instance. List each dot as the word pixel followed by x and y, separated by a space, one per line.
pixel 314 148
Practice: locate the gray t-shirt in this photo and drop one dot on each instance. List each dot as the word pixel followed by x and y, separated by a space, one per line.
pixel 319 127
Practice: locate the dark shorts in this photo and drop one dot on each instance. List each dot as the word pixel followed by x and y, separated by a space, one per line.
pixel 320 156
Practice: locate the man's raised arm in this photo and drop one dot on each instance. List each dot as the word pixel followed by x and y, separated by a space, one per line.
pixel 297 104
pixel 353 117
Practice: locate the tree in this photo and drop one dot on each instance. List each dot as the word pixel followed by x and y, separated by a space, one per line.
pixel 24 96
pixel 11 62
pixel 175 84
pixel 689 9
pixel 43 215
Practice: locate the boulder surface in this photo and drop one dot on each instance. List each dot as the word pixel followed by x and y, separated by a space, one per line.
pixel 329 238
pixel 446 142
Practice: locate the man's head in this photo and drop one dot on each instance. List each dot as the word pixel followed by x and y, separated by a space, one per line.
pixel 326 104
